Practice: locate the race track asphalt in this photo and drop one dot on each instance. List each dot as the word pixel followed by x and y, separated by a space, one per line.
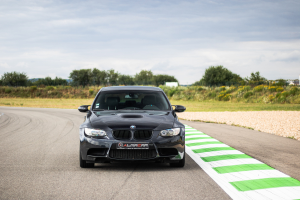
pixel 39 160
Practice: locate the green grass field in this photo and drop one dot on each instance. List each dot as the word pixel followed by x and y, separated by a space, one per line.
pixel 192 106
pixel 213 106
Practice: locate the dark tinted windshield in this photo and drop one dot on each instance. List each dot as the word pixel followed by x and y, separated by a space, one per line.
pixel 131 100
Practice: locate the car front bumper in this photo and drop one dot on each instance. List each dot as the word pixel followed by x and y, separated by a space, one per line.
pixel 165 149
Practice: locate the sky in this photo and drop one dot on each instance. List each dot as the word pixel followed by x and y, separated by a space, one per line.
pixel 180 38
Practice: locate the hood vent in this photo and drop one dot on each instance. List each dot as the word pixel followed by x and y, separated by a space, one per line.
pixel 131 116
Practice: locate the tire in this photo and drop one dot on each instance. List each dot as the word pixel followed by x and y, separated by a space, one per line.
pixel 181 163
pixel 84 164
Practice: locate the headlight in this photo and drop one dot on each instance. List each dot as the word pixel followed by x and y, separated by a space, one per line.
pixel 94 132
pixel 170 132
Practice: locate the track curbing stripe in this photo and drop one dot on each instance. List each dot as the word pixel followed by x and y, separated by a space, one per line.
pixel 238 174
pixel 265 183
pixel 240 168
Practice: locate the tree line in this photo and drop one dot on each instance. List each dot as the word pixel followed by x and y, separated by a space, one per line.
pixel 213 76
pixel 84 77
pixel 221 76
pixel 111 77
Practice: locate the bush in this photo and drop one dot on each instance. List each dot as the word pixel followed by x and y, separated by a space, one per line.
pixel 272 89
pixel 279 89
pixel 271 98
pixel 49 88
pixel 196 88
pixel 91 91
pixel 231 89
pixel 33 88
pixel 222 95
pixel 171 92
pixel 258 88
pixel 278 95
pixel 222 88
pixel 248 94
pixel 293 90
pixel 247 88
pixel 212 94
pixel 284 94
pixel 227 97
pixel 7 90
pixel 282 99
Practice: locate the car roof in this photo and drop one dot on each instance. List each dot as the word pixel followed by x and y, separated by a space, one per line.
pixel 116 88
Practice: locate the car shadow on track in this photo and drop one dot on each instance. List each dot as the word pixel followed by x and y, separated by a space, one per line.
pixel 144 166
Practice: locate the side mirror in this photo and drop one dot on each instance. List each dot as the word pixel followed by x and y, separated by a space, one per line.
pixel 83 108
pixel 179 108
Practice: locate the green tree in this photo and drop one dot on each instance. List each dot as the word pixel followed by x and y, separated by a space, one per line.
pixel 48 81
pixel 81 77
pixel 14 79
pixel 281 82
pixel 160 79
pixel 219 75
pixel 198 83
pixel 125 80
pixel 98 77
pixel 112 77
pixel 59 81
pixel 144 78
pixel 256 78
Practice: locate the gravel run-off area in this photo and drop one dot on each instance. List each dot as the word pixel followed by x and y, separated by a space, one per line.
pixel 283 123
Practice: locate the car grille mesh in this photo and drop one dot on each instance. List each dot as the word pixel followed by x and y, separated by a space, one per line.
pixel 122 134
pixel 132 154
pixel 138 134
pixel 142 134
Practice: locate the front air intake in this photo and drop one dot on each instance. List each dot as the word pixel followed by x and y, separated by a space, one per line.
pixel 167 151
pixel 131 116
pixel 142 134
pixel 122 134
pixel 97 152
pixel 130 154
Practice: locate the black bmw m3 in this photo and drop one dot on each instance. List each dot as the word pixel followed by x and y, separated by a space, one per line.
pixel 131 123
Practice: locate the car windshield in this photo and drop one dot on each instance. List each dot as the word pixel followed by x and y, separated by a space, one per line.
pixel 131 100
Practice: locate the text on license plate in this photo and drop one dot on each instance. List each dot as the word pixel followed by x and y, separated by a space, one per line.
pixel 122 145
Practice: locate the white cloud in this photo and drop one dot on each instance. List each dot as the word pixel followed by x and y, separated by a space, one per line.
pixel 180 38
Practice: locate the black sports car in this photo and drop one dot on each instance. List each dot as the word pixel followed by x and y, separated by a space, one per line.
pixel 131 123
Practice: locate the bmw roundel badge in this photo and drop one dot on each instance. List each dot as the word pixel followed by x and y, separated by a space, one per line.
pixel 132 127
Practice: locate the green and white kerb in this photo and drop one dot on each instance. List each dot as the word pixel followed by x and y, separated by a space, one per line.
pixel 239 175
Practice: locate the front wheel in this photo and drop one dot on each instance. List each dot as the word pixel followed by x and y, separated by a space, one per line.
pixel 181 163
pixel 84 164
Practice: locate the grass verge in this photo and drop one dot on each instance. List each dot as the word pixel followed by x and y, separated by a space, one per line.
pixel 192 106
pixel 219 106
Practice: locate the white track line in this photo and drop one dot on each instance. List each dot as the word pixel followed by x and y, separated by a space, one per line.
pixel 222 163
pixel 219 153
pixel 274 193
pixel 208 146
pixel 193 136
pixel 250 175
pixel 194 132
pixel 201 140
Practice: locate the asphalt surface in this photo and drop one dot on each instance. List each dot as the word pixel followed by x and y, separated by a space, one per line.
pixel 39 160
pixel 278 152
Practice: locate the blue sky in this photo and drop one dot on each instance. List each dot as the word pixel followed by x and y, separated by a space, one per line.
pixel 180 38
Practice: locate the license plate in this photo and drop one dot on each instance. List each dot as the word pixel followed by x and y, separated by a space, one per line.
pixel 128 145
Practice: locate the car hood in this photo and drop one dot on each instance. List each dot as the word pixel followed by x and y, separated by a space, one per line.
pixel 154 120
